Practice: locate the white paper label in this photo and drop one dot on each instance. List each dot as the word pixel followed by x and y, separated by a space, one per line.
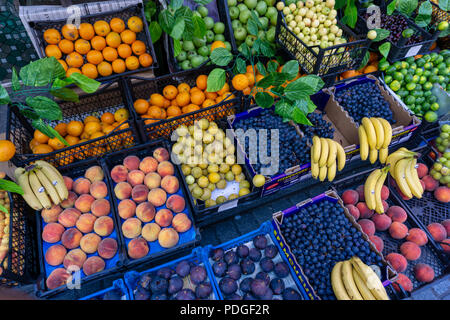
pixel 228 205
pixel 413 51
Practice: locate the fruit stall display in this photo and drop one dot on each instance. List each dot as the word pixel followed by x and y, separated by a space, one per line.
pixel 118 291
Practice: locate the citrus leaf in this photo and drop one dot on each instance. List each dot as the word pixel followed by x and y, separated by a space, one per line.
pixel 216 80
pixel 166 21
pixel 199 27
pixel 260 67
pixel 272 66
pixel 365 60
pixel 57 135
pixel 176 47
pixel 42 127
pixel 15 80
pixel 155 31
pixel 264 100
pixel 407 6
pixel 178 29
pixel 10 186
pixel 221 57
pixel 41 72
pixel 381 34
pixel 65 94
pixel 384 49
pixel 291 69
pixel 175 4
pixel 86 84
pixel 4 96
pixel 351 13
pixel 241 66
pixel 444 5
pixel 265 82
pixel 391 7
pixel 46 108
pixel 299 117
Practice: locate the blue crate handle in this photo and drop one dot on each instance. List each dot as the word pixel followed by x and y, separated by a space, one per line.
pixel 117 284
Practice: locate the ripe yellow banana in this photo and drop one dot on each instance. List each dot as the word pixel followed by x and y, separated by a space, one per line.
pixel 370 130
pixel 394 157
pixel 337 284
pixel 363 144
pixel 349 283
pixel 323 152
pixel 28 194
pixel 332 152
pixel 369 188
pixel 370 278
pixel 400 177
pixel 323 173
pixel 341 157
pixel 48 186
pixel 379 131
pixel 362 288
pixel 55 178
pixel 387 132
pixel 383 154
pixel 314 170
pixel 415 175
pixel 373 155
pixel 315 150
pixel 414 184
pixel 379 208
pixel 332 172
pixel 39 190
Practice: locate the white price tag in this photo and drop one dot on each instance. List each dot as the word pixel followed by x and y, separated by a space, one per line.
pixel 228 205
pixel 413 51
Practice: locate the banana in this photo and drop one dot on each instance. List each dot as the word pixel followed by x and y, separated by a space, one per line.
pixel 370 278
pixel 379 130
pixel 370 130
pixel 349 283
pixel 323 152
pixel 363 144
pixel 379 208
pixel 369 188
pixel 387 132
pixel 414 185
pixel 315 150
pixel 332 153
pixel 415 175
pixel 400 177
pixel 337 284
pixel 55 178
pixel 39 190
pixel 323 173
pixel 48 186
pixel 365 292
pixel 28 194
pixel 393 158
pixel 332 172
pixel 382 155
pixel 373 155
pixel 341 157
pixel 314 169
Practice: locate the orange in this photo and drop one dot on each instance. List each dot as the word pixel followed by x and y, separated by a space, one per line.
pixel 110 54
pixel 246 90
pixel 135 24
pixel 70 32
pixel 128 36
pixel 210 95
pixel 121 115
pixel 190 108
pixel 240 82
pixel 92 127
pixel 183 87
pixel 150 119
pixel 156 100
pixel 174 103
pixel 66 46
pixel 52 36
pixel 370 68
pixel 90 119
pixel 201 81
pixel 259 77
pixel 86 31
pixel 173 111
pixel 117 25
pixel 94 57
pixel 61 128
pixel 119 66
pixel 198 97
pixel 217 44
pixel 141 106
pixel 350 74
pixel 7 150
pixel 208 103
pixel 104 69
pixel 55 143
pixel 145 60
pixel 98 43
pixel 84 136
pixel 163 114
pixel 183 99
pixel 166 103
pixel 194 89
pixel 108 129
pixel 138 47
pixel 170 92
pixel 82 46
pixel 155 112
pixel 52 50
pixel 63 63
pixel 74 59
pixel 251 78
pixel 108 118
pixel 42 148
pixel 40 137
pixel 71 140
pixel 75 128
pixel 124 50
pixel 250 68
pixel 132 63
pixel 72 70
pixel 97 135
pixel 113 39
pixel 89 70
pixel 225 88
pixel 33 143
pixel 101 28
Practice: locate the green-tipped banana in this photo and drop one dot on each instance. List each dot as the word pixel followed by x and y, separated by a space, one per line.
pixel 383 154
pixel 349 282
pixel 55 178
pixel 373 155
pixel 39 190
pixel 362 288
pixel 370 278
pixel 369 188
pixel 379 130
pixel 400 177
pixel 315 150
pixel 337 284
pixel 379 208
pixel 370 130
pixel 323 173
pixel 332 152
pixel 323 152
pixel 387 132
pixel 331 172
pixel 363 144
pixel 314 170
pixel 414 184
pixel 341 157
pixel 48 186
pixel 28 194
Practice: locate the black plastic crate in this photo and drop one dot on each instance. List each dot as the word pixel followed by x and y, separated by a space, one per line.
pixel 108 99
pixel 38 28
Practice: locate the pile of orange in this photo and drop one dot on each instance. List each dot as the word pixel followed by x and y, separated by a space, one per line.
pixel 371 66
pixel 99 49
pixel 178 100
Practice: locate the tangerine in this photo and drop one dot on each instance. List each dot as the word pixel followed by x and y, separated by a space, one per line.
pixel 63 63
pixel 40 137
pixel 128 36
pixel 183 99
pixel 94 57
pixel 113 39
pixel 170 92
pixel 201 81
pixel 121 115
pixel 117 25
pixel 75 128
pixel 98 43
pixel 55 143
pixel 132 63
pixel 110 54
pixel 101 28
pixel 156 100
pixel 82 46
pixel 52 50
pixel 141 106
pixel 70 32
pixel 42 149
pixel 198 97
pixel 61 128
pixel 92 127
pixel 240 82
pixel 71 140
pixel 183 87
pixel 119 66
pixel 135 24
pixel 66 46
pixel 108 118
pixel 104 69
pixel 70 71
pixel 89 70
pixel 7 150
pixel 74 59
pixel 52 36
pixel 145 60
pixel 138 47
pixel 217 44
pixel 173 111
pixel 86 31
pixel 124 50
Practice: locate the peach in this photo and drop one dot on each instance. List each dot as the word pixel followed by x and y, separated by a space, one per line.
pixel 98 190
pixel 437 231
pixel 176 203
pixel 68 182
pixel 164 217
pixel 418 236
pixel 385 205
pixel 85 222
pixel 84 202
pixel 51 215
pixel 161 154
pixel 145 211
pixel 75 257
pixel 181 222
pixel 445 245
pixel 131 228
pixel 446 224
pixel 71 238
pixel 127 208
pixel 148 164
pixel 81 186
pixel 360 190
pixel 107 248
pixel 131 163
pixel 397 213
pixel 367 226
pixel 152 180
pixel 382 222
pixel 138 248
pixel 423 272
pixel 410 250
pixel 68 218
pixel 365 213
pixel 404 281
pixel 55 255
pixel 57 278
pixel 165 168
pixel 422 184
pixel 135 177
pixel 353 211
pixel 104 226
pixel 150 231
pixel 384 192
pixel 94 173
pixel 93 265
pixel 70 201
pixel 119 173
pixel 101 207
pixel 168 238
pixel 442 194
pixel 89 242
pixel 170 184
pixel 157 197
pixel 378 242
pixel 397 261
pixel 350 197
pixel 422 170
pixel 123 190
pixel 52 232
pixel 139 193
pixel 430 183
pixel 398 230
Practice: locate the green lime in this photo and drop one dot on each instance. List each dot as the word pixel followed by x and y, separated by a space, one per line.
pixel 434 71
pixel 388 79
pixel 418 87
pixel 382 66
pixel 420 100
pixel 410 100
pixel 428 65
pixel 434 106
pixel 419 71
pixel 409 78
pixel 410 86
pixel 420 62
pixel 443 25
pixel 417 93
pixel 441 79
pixel 422 79
pixel 395 85
pixel 434 78
pixel 407 33
pixel 410 60
pixel 439 59
pixel 427 86
pixel 433 56
pixel 398 76
pixel 390 70
pixel 431 98
pixel 427 73
pixel 398 65
pixel 405 65
pixel 426 106
pixel 403 93
pixel 426 57
pixel 427 94
pixel 431 116
pixel 415 79
pixel 404 71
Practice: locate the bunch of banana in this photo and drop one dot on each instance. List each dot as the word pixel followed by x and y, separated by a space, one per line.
pixel 324 155
pixel 42 184
pixel 403 168
pixel 372 189
pixel 375 135
pixel 354 280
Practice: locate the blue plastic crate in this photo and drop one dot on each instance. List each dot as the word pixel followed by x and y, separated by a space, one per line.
pixel 118 284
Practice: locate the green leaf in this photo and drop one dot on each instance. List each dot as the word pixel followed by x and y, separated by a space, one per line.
pixel 202 2
pixel 291 69
pixel 65 94
pixel 303 87
pixel 221 57
pixel 261 68
pixel 4 96
pixel 41 72
pixel 15 80
pixel 351 13
pixel 175 4
pixel 279 78
pixel 42 127
pixel 272 66
pixel 423 17
pixel 176 47
pixel 299 117
pixel 10 186
pixel 57 135
pixel 384 49
pixel 279 91
pixel 422 20
pixel 364 60
pixel 264 100
pixel 149 9
pixel 46 108
pixel 283 109
pixel 86 84
pixel 444 5
pixel 266 82
pixel 155 31
pixel 339 4
pixel 241 66
pixel 264 47
pixel 29 114
pixel 216 80
pixel 178 29
pixel 3 209
pixel 391 7
pixel 407 6
pixel 252 27
pixel 381 34
pixel 61 83
pixel 245 50
pixel 185 14
pixel 199 27
pixel 444 33
pixel 311 106
pixel 166 21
